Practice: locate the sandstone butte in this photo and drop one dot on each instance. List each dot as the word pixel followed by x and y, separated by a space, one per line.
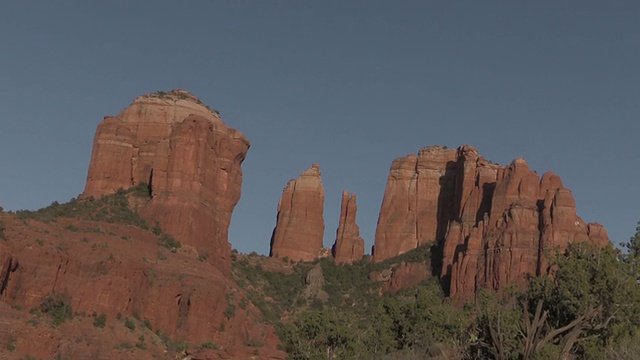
pixel 349 246
pixel 189 158
pixel 191 161
pixel 299 230
pixel 493 224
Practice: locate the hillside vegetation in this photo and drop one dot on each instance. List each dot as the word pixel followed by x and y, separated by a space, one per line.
pixel 587 308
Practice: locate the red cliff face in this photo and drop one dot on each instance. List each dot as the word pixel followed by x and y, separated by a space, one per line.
pixel 416 202
pixel 493 224
pixel 188 156
pixel 299 230
pixel 349 246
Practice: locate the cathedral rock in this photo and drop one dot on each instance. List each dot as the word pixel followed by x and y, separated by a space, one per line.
pixel 492 224
pixel 299 230
pixel 189 158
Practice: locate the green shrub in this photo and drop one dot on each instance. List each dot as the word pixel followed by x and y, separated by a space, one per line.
pixel 11 344
pixel 209 345
pixel 129 324
pixel 254 343
pixel 125 345
pixel 57 308
pixel 100 321
pixel 156 229
pixel 169 242
pixel 230 311
pixel 111 208
pixel 72 227
pixel 176 346
pixel 140 344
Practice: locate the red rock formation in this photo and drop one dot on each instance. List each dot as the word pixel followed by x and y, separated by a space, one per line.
pixel 406 275
pixel 416 202
pixel 349 246
pixel 299 230
pixel 188 156
pixel 119 270
pixel 498 222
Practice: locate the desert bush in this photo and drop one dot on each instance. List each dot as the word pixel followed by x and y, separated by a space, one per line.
pixel 169 242
pixel 57 307
pixel 99 321
pixel 129 324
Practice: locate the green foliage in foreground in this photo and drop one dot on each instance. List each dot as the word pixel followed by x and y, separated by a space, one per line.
pixel 111 208
pixel 588 307
pixel 414 324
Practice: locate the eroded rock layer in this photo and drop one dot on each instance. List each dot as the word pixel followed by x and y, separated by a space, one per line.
pixel 299 230
pixel 349 246
pixel 493 224
pixel 188 156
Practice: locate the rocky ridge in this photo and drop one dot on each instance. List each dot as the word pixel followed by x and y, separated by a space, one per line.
pixel 493 224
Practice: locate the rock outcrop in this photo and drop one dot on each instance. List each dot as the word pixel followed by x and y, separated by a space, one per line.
pixel 493 224
pixel 299 230
pixel 349 246
pixel 315 285
pixel 189 158
pixel 405 276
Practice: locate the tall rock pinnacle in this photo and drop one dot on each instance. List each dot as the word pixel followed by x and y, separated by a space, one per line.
pixel 349 246
pixel 189 158
pixel 299 230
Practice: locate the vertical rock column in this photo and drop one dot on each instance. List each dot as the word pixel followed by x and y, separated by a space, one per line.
pixel 349 246
pixel 299 230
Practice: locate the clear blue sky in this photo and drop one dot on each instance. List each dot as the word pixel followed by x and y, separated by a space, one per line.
pixel 350 85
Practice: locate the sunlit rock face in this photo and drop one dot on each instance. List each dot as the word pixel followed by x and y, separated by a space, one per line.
pixel 188 156
pixel 349 246
pixel 299 230
pixel 492 224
